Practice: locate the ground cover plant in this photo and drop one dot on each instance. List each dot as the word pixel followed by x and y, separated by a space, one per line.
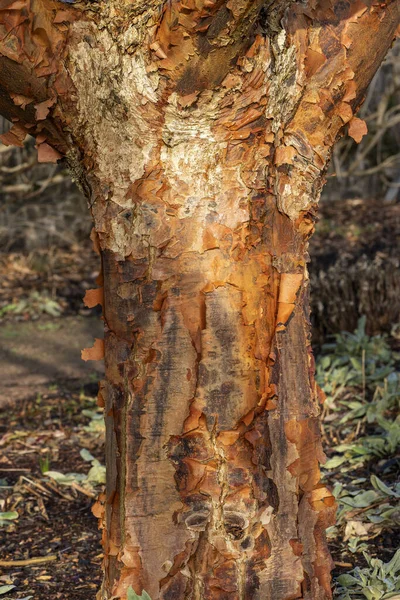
pixel 359 375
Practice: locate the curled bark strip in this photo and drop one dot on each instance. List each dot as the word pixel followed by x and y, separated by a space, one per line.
pixel 96 352
pixel 94 297
pixel 357 129
pixel 289 286
pixel 15 136
pixel 47 154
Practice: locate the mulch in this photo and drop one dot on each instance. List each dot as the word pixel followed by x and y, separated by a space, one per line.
pixel 53 521
pixel 354 227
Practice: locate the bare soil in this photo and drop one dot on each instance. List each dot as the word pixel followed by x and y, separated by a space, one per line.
pixel 35 355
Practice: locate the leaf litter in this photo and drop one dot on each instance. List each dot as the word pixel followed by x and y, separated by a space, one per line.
pixel 359 374
pixel 51 470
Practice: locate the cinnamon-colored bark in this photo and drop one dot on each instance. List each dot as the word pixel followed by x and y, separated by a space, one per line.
pixel 200 131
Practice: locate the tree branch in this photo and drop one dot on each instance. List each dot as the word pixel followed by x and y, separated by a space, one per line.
pixel 33 45
pixel 198 42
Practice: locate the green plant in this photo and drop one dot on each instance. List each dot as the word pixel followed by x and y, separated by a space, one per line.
pixel 384 443
pixel 386 397
pixel 95 476
pixel 97 473
pixel 354 360
pixel 131 595
pixel 378 581
pixel 44 464
pixel 358 374
pixel 7 517
pixel 6 588
pixel 356 545
pixel 34 305
pixel 96 424
pixel 364 514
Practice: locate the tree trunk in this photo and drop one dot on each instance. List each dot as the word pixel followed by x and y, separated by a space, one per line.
pixel 200 132
pixel 210 400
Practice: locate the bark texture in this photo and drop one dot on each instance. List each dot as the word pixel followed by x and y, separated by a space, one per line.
pixel 200 131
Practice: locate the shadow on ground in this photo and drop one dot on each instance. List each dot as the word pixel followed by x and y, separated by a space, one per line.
pixel 37 354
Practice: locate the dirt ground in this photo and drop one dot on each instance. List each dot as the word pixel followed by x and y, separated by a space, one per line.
pixel 54 521
pixel 35 355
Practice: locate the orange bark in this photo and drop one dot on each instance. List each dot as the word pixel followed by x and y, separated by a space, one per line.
pixel 200 131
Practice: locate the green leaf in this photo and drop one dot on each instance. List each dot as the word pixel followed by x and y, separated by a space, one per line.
pixel 372 593
pixel 375 519
pixel 9 516
pixel 325 362
pixel 131 595
pixel 85 454
pixel 393 566
pixel 92 414
pixel 347 580
pixel 356 363
pixel 97 474
pixel 6 588
pixel 364 499
pixel 56 475
pixel 346 596
pixel 378 484
pixel 334 462
pixel 360 331
pixel 52 308
pixel 65 479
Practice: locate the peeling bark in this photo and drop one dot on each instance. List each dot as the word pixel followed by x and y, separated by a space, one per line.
pixel 200 131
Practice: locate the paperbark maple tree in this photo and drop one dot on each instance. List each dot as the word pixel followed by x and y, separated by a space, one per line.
pixel 200 131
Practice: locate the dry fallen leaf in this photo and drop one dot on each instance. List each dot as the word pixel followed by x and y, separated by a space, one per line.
pixel 356 528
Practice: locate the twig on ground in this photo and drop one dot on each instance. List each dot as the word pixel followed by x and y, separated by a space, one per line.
pixel 28 561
